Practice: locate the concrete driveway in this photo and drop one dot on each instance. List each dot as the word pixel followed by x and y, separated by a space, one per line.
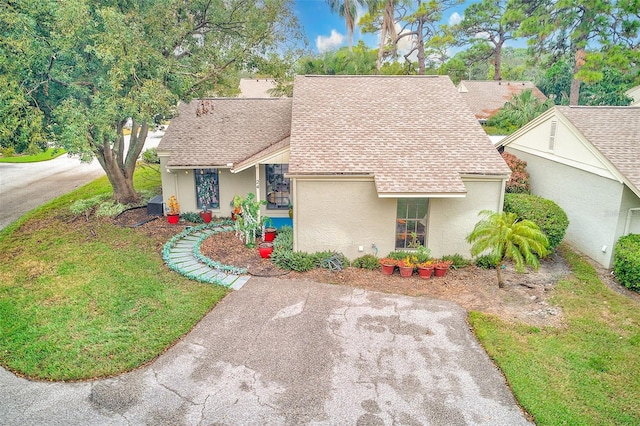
pixel 293 352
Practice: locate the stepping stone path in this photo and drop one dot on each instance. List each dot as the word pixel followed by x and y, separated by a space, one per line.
pixel 182 254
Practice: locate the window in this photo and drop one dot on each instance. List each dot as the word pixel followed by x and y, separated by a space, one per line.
pixel 411 218
pixel 207 188
pixel 278 187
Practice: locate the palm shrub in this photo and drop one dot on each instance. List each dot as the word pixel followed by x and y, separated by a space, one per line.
pixel 626 261
pixel 506 237
pixel 550 217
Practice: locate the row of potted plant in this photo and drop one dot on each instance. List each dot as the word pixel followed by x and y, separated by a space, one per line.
pixel 407 266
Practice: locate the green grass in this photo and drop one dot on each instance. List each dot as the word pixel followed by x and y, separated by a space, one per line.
pixel 587 373
pixel 82 299
pixel 49 154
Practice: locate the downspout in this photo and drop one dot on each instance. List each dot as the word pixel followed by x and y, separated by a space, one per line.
pixel 627 224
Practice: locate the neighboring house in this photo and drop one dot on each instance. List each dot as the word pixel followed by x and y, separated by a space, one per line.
pixel 485 98
pixel 365 160
pixel 586 159
pixel 634 93
pixel 256 87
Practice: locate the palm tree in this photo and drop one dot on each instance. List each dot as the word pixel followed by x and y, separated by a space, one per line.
pixel 506 237
pixel 347 9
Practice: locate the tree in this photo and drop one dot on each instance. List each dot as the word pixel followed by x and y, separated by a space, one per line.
pixel 506 237
pixel 90 66
pixel 487 23
pixel 591 32
pixel 420 25
pixel 519 110
pixel 381 17
pixel 348 10
pixel 359 61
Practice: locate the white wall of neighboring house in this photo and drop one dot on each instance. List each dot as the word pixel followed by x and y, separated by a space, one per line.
pixel 634 93
pixel 578 179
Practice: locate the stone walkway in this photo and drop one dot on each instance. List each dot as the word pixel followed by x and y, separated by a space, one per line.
pixel 182 254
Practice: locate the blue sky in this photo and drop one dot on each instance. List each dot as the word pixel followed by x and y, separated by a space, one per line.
pixel 327 31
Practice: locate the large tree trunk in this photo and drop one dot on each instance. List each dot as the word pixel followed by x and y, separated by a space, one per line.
pixel 119 164
pixel 574 94
pixel 497 62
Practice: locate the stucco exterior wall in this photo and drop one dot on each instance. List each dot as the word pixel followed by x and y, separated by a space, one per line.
pixel 629 222
pixel 341 216
pixel 452 219
pixel 592 203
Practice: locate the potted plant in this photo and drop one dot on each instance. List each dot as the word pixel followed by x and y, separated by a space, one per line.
pixel 265 250
pixel 236 203
pixel 425 269
pixel 205 214
pixel 290 211
pixel 406 267
pixel 441 267
pixel 268 231
pixel 174 210
pixel 388 265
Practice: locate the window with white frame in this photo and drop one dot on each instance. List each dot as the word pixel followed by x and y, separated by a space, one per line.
pixel 411 222
pixel 278 187
pixel 207 189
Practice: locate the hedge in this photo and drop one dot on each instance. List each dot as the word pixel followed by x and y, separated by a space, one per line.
pixel 549 216
pixel 626 261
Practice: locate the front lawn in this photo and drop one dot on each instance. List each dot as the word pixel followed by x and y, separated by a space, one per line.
pixel 49 154
pixel 81 298
pixel 585 374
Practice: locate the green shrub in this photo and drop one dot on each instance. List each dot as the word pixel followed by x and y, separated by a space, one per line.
pixel 549 217
pixel 626 261
pixel 298 261
pixel 401 254
pixel 284 239
pixel 191 217
pixel 486 262
pixel 110 208
pixel 368 261
pixel 85 205
pixel 150 156
pixel 457 261
pixel 8 152
pixel 518 182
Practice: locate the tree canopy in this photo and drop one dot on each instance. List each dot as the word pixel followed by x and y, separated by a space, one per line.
pixel 80 69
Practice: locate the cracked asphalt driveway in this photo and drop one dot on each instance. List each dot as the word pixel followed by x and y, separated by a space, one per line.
pixel 293 352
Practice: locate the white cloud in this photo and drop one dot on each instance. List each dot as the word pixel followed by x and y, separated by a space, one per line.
pixel 455 18
pixel 324 44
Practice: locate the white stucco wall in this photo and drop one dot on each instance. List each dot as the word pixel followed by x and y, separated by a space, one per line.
pixel 452 219
pixel 343 215
pixel 592 203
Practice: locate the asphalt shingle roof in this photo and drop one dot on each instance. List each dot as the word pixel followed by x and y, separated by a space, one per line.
pixel 614 131
pixel 485 98
pixel 414 134
pixel 232 130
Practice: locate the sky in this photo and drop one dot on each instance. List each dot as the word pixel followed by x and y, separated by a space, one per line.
pixel 327 31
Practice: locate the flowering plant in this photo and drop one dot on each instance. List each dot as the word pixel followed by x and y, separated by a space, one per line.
pixel 427 264
pixel 444 264
pixel 406 263
pixel 174 206
pixel 387 261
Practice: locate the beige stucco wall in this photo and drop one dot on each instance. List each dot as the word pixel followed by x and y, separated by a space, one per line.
pixel 592 203
pixel 452 219
pixel 342 215
pixel 629 221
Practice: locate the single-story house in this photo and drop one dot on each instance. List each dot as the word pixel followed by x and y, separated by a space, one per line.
pixel 486 97
pixel 366 161
pixel 587 160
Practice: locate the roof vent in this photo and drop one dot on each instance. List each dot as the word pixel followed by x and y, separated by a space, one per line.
pixel 552 135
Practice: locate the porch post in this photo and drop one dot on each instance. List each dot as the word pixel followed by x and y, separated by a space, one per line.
pixel 258 190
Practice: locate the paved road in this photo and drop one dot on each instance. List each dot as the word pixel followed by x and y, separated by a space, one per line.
pixel 293 352
pixel 25 186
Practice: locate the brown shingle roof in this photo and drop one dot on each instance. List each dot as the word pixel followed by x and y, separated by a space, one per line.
pixel 232 130
pixel 413 134
pixel 615 132
pixel 485 98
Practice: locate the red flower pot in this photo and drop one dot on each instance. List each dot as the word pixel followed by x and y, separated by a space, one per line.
pixel 270 234
pixel 440 272
pixel 425 273
pixel 206 216
pixel 173 218
pixel 406 271
pixel 388 269
pixel 265 250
